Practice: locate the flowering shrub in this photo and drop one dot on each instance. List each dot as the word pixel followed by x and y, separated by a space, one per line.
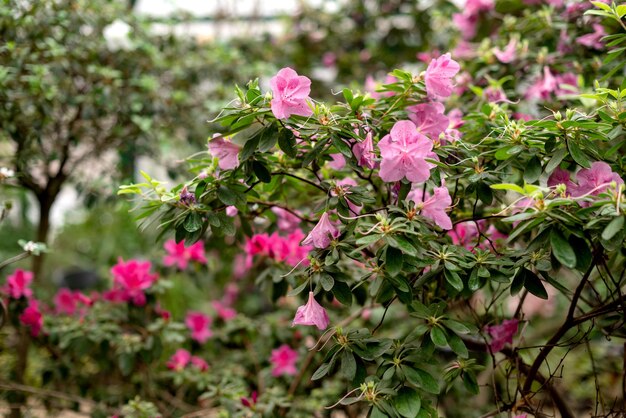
pixel 384 253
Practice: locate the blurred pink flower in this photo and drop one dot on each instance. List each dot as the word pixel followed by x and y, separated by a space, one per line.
pixel 286 221
pixel 290 94
pixel 249 403
pixel 180 255
pixel 429 118
pixel 231 211
pixel 434 207
pixel 466 23
pixel 311 314
pixel 32 318
pixel 338 161
pixel 439 74
pixel 508 54
pixel 593 39
pixel 372 85
pixel 199 363
pixel 502 334
pixel 533 305
pixel 321 235
pixel 199 323
pixel 543 87
pixel 133 277
pixel 465 234
pixel 225 151
pixel 223 310
pixel 403 153
pixel 283 361
pixel 566 83
pixel 65 301
pixel 179 360
pixel 18 284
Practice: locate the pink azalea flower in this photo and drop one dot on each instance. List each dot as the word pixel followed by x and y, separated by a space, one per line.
pixel 231 292
pixel 403 154
pixel 283 361
pixel 522 116
pixel 180 255
pixel 508 54
pixel 199 363
pixel 543 87
pixel 364 151
pixel 465 234
pixel 297 252
pixel 65 301
pixel 495 95
pixel 18 284
pixel 290 93
pixel 566 84
pixel 249 403
pixel 133 277
pixel 560 176
pixel 329 59
pixel 199 323
pixel 32 318
pixel 179 360
pixel 276 247
pixel 466 24
pixel 225 151
pixel 372 85
pixel 438 77
pixel 338 161
pixel 593 39
pixel 322 234
pixel 477 6
pixel 429 118
pixel 426 57
pixel 287 221
pixel 502 334
pixel 223 311
pixel 564 46
pixel 231 211
pixel 311 314
pixel 595 180
pixel 434 207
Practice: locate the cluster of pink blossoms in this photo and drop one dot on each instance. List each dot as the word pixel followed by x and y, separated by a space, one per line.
pixel 545 86
pixel 69 302
pixel 502 334
pixel 180 255
pixel 284 249
pixel 18 287
pixel 130 280
pixel 182 358
pixel 283 361
pixel 589 181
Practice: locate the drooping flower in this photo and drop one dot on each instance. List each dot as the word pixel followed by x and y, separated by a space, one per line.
pixel 403 153
pixel 433 207
pixel 322 234
pixel 593 39
pixel 364 151
pixel 312 313
pixel 429 118
pixel 502 334
pixel 439 74
pixel 32 318
pixel 199 363
pixel 199 323
pixel 595 180
pixel 225 151
pixel 132 278
pixel 180 255
pixel 283 361
pixel 18 284
pixel 508 54
pixel 179 360
pixel 290 94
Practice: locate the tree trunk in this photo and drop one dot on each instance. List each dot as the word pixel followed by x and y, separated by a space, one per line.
pixel 43 228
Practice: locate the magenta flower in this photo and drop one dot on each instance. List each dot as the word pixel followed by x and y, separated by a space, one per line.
pixel 502 334
pixel 179 360
pixel 287 221
pixel 403 154
pixel 560 176
pixel 231 211
pixel 32 318
pixel 223 310
pixel 465 234
pixel 593 39
pixel 439 75
pixel 199 363
pixel 595 180
pixel 18 284
pixel 133 277
pixel 65 301
pixel 434 207
pixel 364 151
pixel 508 54
pixel 290 94
pixel 283 361
pixel 321 235
pixel 311 314
pixel 199 323
pixel 249 403
pixel 429 118
pixel 543 87
pixel 225 151
pixel 566 84
pixel 180 255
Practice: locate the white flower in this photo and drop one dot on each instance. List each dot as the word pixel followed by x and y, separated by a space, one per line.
pixel 6 173
pixel 116 35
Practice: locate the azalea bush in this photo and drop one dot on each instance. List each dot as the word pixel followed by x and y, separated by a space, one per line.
pixel 449 241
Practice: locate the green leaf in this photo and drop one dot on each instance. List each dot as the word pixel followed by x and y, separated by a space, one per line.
pixel 556 159
pixel 408 402
pixel 508 186
pixel 342 292
pixel 321 371
pixel 533 284
pixel 348 364
pixel 456 326
pixel 261 171
pixel 577 154
pixel 438 337
pixel 616 225
pixel 457 345
pixel 287 142
pixel 192 222
pixel 421 379
pixel 532 172
pixel 393 261
pixel 403 244
pixel 227 196
pixel 561 249
pixel 249 148
pixel 453 280
pixel 327 281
